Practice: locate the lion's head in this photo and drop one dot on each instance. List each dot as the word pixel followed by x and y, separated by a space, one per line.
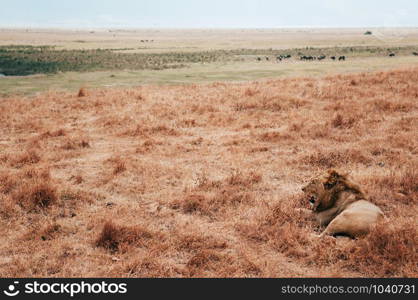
pixel 323 191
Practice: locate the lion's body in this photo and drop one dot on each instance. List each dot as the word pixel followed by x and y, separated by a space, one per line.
pixel 355 220
pixel 341 206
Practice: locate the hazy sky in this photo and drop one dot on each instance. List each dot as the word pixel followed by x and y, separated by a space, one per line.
pixel 208 13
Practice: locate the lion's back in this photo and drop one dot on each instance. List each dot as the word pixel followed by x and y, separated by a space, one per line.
pixel 365 207
pixel 360 216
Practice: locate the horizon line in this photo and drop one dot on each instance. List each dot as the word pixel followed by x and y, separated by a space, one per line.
pixel 199 28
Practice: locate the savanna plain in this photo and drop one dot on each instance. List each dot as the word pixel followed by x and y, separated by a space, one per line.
pixel 182 153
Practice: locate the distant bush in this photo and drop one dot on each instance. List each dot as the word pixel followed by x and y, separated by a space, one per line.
pixel 27 60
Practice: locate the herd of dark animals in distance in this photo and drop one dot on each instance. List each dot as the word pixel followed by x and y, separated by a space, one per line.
pixel 304 57
pixel 321 57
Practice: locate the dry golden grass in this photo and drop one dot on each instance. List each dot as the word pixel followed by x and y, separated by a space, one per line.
pixel 204 180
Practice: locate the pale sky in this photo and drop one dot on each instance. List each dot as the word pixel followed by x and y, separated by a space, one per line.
pixel 208 13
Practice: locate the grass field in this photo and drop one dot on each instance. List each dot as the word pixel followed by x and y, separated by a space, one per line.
pixel 204 180
pixel 197 171
pixel 70 59
pixel 195 73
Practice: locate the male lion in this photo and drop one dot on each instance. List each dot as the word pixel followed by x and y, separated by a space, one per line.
pixel 340 204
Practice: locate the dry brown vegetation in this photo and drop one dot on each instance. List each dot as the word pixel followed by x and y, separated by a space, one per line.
pixel 204 180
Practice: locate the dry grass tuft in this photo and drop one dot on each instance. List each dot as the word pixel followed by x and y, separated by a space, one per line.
pixel 340 122
pixel 82 92
pixel 78 179
pixel 215 197
pixel 336 158
pixel 7 183
pixel 147 267
pixel 204 260
pixel 389 250
pixel 53 134
pixel 28 157
pixel 244 180
pixel 75 143
pixel 117 238
pixel 35 195
pixel 50 232
pixel 191 243
pixel 120 166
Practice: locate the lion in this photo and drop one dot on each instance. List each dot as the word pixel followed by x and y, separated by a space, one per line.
pixel 341 206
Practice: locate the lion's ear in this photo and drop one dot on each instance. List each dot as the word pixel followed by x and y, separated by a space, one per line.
pixel 332 180
pixel 333 174
pixel 329 185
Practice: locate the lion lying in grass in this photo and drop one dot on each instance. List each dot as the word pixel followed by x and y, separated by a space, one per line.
pixel 340 205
